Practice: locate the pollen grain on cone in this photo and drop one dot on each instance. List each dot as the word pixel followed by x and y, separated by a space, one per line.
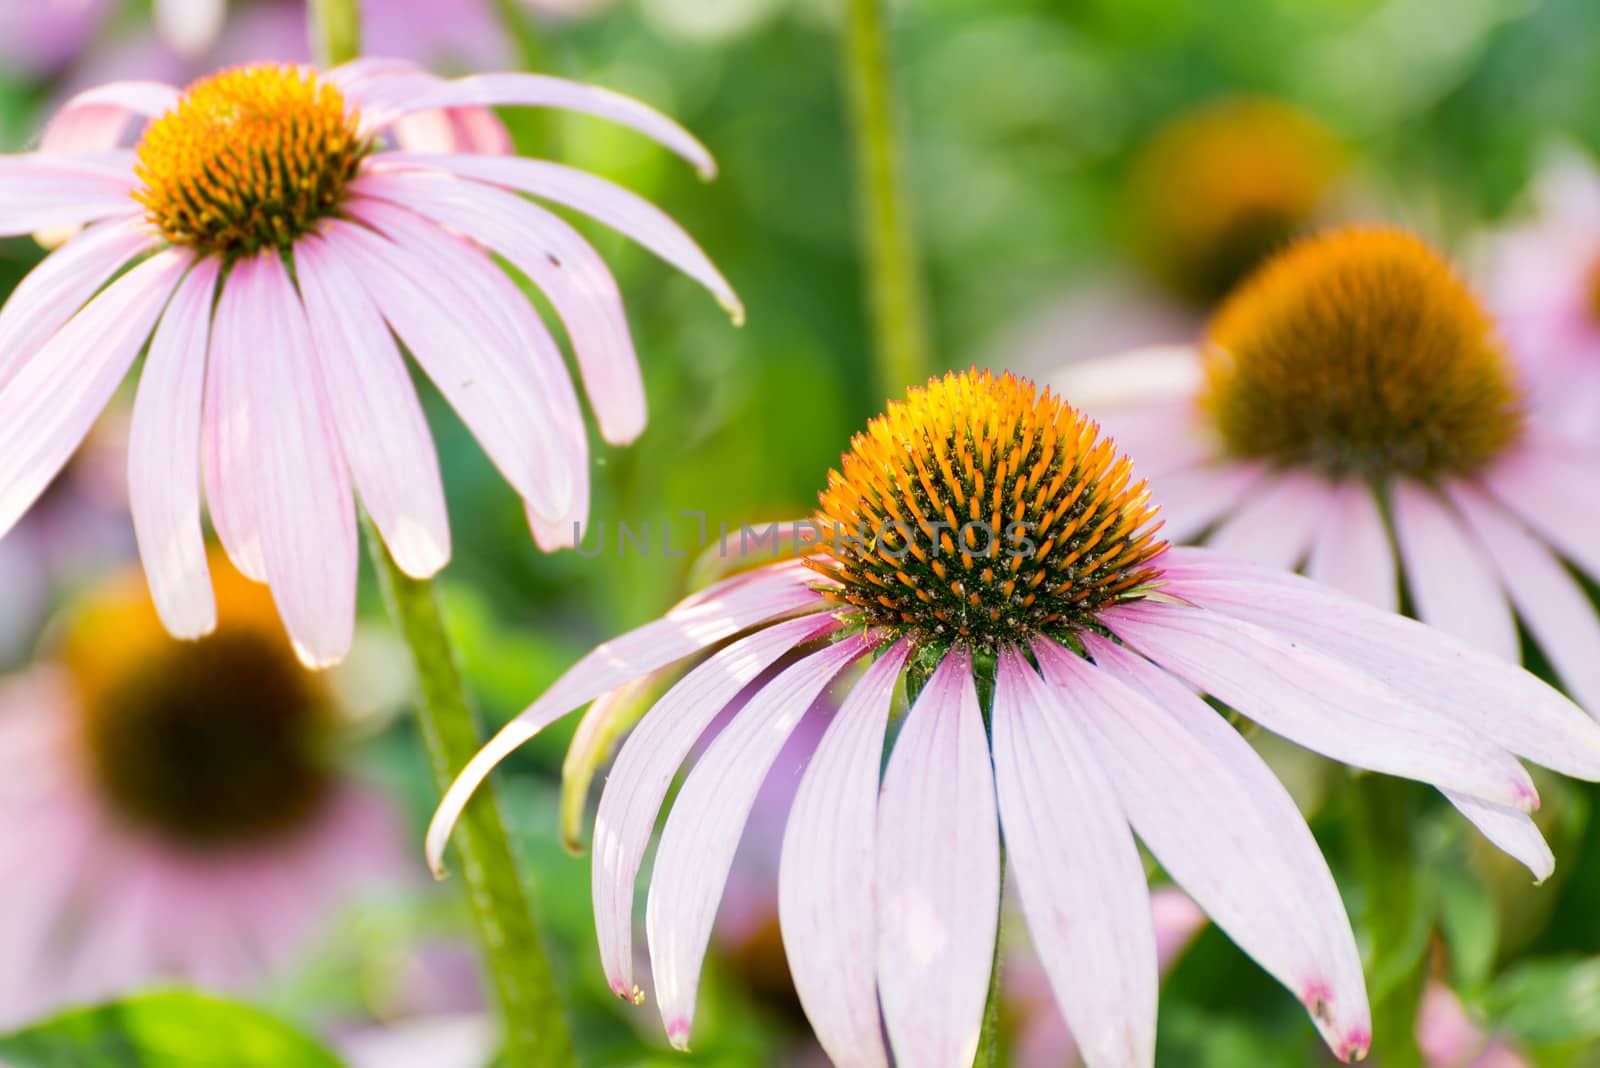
pixel 1360 352
pixel 250 158
pixel 981 509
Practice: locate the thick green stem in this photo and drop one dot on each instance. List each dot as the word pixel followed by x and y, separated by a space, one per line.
pixel 535 1029
pixel 901 349
pixel 335 30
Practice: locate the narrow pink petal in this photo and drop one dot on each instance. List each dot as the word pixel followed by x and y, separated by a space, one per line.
pixel 446 132
pixel 1452 583
pixel 164 459
pixel 1275 524
pixel 1511 831
pixel 644 770
pixel 51 402
pixel 229 440
pixel 1222 825
pixel 1502 702
pixel 826 877
pixel 1135 379
pixel 457 340
pixel 560 262
pixel 938 874
pixel 308 525
pixel 1352 551
pixel 626 212
pixel 773 591
pixel 98 117
pixel 1327 705
pixel 1082 883
pixel 53 291
pixel 383 434
pixel 1551 486
pixel 540 90
pixel 707 820
pixel 1194 498
pixel 43 190
pixel 1557 610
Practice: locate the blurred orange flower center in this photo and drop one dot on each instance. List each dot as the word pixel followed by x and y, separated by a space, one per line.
pixel 250 158
pixel 982 509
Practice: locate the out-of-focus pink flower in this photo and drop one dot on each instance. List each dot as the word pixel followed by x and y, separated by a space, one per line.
pixel 170 809
pixel 1448 1036
pixel 38 37
pixel 888 890
pixel 288 391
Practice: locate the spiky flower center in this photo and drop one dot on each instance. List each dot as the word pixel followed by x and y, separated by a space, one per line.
pixel 208 743
pixel 1360 352
pixel 250 158
pixel 983 510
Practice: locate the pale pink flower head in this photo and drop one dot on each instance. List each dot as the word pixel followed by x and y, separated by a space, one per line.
pixel 1353 412
pixel 982 530
pixel 173 811
pixel 272 243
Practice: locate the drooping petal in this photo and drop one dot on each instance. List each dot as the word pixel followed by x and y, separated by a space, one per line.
pixel 626 212
pixel 938 872
pixel 164 459
pixel 1452 583
pixel 827 874
pixel 1082 883
pixel 1500 701
pixel 540 90
pixel 1352 551
pixel 643 773
pixel 97 118
pixel 1551 486
pixel 307 510
pixel 44 190
pixel 1222 825
pixel 1325 704
pixel 560 262
pixel 1193 499
pixel 476 130
pixel 714 614
pixel 1156 374
pixel 1511 831
pixel 1275 524
pixel 51 402
pixel 707 820
pixel 383 434
pixel 1558 612
pixel 229 440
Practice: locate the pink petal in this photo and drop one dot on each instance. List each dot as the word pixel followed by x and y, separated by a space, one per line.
pixel 540 90
pixel 826 875
pixel 42 190
pixel 644 770
pixel 1193 499
pixel 229 439
pixel 938 874
pixel 48 406
pixel 1557 610
pixel 466 130
pixel 308 529
pixel 560 262
pixel 626 212
pixel 1511 832
pixel 718 613
pixel 382 431
pixel 1324 704
pixel 97 118
pixel 423 291
pixel 53 291
pixel 1551 487
pixel 1502 702
pixel 707 820
pixel 1081 880
pixel 1223 827
pixel 1351 551
pixel 1275 524
pixel 164 459
pixel 1452 583
pixel 1135 379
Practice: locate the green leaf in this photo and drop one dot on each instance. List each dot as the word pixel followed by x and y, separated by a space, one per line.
pixel 1549 1002
pixel 1471 929
pixel 174 1029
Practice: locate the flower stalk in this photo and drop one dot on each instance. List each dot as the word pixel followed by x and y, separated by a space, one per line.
pixel 335 30
pixel 901 349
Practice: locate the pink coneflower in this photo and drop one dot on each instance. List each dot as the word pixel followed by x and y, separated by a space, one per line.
pixel 981 524
pixel 171 809
pixel 1351 392
pixel 271 245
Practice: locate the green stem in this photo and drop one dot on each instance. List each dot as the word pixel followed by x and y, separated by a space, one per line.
pixel 517 22
pixel 535 1029
pixel 335 30
pixel 901 348
pixel 989 1035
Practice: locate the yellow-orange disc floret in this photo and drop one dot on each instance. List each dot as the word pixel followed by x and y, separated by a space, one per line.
pixel 982 509
pixel 250 158
pixel 1360 352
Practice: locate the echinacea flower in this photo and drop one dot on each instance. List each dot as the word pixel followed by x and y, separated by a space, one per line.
pixel 1355 391
pixel 173 811
pixel 984 531
pixel 270 243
